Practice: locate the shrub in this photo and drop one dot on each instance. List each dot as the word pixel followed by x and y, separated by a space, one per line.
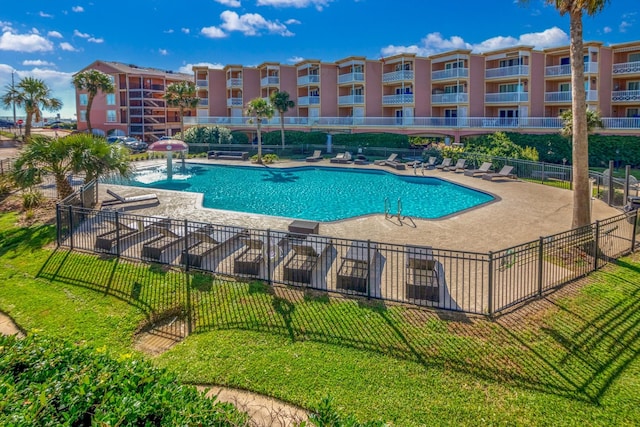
pixel 32 199
pixel 48 382
pixel 207 135
pixel 266 159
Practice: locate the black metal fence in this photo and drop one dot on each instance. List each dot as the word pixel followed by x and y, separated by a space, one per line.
pixel 471 282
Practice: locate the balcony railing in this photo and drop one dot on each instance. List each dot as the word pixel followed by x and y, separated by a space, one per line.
pixel 565 69
pixel 397 76
pixel 627 68
pixel 270 81
pixel 202 83
pixel 203 102
pixel 565 96
pixel 234 102
pixel 517 70
pixel 351 77
pixel 308 79
pixel 449 98
pixel 234 82
pixel 625 96
pixel 350 99
pixel 503 97
pixel 308 100
pixel 452 73
pixel 399 99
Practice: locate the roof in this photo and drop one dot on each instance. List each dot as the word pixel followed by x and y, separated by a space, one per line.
pixel 119 67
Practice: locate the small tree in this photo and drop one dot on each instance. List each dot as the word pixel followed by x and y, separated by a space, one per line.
pixel 259 109
pixel 281 103
pixel 182 95
pixel 92 81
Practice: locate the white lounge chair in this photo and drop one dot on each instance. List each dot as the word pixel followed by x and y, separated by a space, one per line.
pixel 505 172
pixel 484 168
pixel 446 162
pixel 118 199
pixel 315 157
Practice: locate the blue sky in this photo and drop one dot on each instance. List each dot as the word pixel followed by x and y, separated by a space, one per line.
pixel 52 40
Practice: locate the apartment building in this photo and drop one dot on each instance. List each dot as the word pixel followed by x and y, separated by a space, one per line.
pixel 136 107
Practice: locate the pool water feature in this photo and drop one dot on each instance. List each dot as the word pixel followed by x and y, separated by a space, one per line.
pixel 311 192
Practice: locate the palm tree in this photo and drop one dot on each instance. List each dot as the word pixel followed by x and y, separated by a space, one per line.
pixel 580 147
pixel 282 103
pixel 259 109
pixel 35 96
pixel 95 157
pixel 182 95
pixel 593 121
pixel 92 81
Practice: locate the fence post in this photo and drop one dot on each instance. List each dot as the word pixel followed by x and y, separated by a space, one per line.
pixel 635 229
pixel 368 269
pixel 542 174
pixel 627 173
pixel 58 226
pixel 71 226
pixel 596 244
pixel 540 264
pixel 610 184
pixel 490 285
pixel 187 261
pixel 269 257
pixel 117 233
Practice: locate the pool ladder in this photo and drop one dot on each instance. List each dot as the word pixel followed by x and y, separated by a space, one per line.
pixel 387 208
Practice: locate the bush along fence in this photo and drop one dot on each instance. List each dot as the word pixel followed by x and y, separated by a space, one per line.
pixel 470 282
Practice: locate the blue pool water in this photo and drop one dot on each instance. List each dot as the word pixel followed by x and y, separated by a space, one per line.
pixel 313 193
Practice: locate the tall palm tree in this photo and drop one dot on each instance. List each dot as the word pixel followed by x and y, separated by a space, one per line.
pixel 259 109
pixel 282 103
pixel 182 95
pixel 95 157
pixel 92 81
pixel 34 96
pixel 580 146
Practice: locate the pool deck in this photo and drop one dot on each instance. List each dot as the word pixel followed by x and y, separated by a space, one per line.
pixel 523 212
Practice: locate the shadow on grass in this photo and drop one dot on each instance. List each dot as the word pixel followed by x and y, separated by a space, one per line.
pixel 573 343
pixel 26 239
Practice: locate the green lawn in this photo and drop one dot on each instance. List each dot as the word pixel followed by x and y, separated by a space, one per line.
pixel 569 360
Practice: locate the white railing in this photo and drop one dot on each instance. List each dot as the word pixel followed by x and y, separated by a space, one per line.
pixel 621 122
pixel 397 76
pixel 516 70
pixel 235 82
pixel 506 97
pixel 452 73
pixel 311 78
pixel 351 77
pixel 403 98
pixel 234 102
pixel 565 69
pixel 627 68
pixel 625 96
pixel 308 100
pixel 202 83
pixel 270 80
pixel 449 98
pixel 203 103
pixel 350 99
pixel 563 96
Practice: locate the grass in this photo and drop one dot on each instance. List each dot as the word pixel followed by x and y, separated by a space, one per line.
pixel 569 359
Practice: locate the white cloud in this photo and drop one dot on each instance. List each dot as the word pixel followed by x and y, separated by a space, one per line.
pixel 35 31
pixel 77 33
pixel 54 34
pixel 44 15
pixel 434 43
pixel 230 3
pixel 251 24
pixel 6 26
pixel 163 52
pixel 318 4
pixel 169 31
pixel 292 21
pixel 24 42
pixel 95 40
pixel 607 30
pixel 213 33
pixel 78 9
pixel 185 30
pixel 37 63
pixel 624 25
pixel 67 47
pixel 295 59
pixel 186 68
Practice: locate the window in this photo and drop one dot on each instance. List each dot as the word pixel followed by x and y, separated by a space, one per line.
pixel 451 65
pixel 511 62
pixel 111 116
pixel 84 99
pixel 454 89
pixel 357 68
pixel 511 87
pixel 313 92
pixel 356 91
pixel 565 87
pixel 633 86
pixel 111 99
pixel 112 79
pixel 83 115
pixel 633 112
pixel 634 57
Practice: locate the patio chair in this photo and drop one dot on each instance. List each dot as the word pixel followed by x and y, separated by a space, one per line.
pixel 459 166
pixel 306 253
pixel 505 172
pixel 353 274
pixel 126 232
pixel 118 199
pixel 207 241
pixel 341 158
pixel 250 259
pixel 391 158
pixel 167 239
pixel 315 157
pixel 446 162
pixel 422 275
pixel 430 163
pixel 484 168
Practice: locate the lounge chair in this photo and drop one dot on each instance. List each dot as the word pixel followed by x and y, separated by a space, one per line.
pixel 341 158
pixel 249 260
pixel 459 166
pixel 430 163
pixel 167 239
pixel 353 273
pixel 391 158
pixel 505 172
pixel 484 168
pixel 118 199
pixel 207 241
pixel 446 162
pixel 306 253
pixel 422 274
pixel 315 157
pixel 126 231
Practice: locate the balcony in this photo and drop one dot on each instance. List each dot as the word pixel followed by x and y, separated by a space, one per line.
pixel 350 99
pixel 565 96
pixel 270 81
pixel 399 99
pixel 350 78
pixel 234 82
pixel 449 98
pixel 506 97
pixel 397 76
pixel 452 73
pixel 565 69
pixel 308 100
pixel 202 83
pixel 625 96
pixel 627 68
pixel 308 79
pixel 203 103
pixel 234 102
pixel 517 70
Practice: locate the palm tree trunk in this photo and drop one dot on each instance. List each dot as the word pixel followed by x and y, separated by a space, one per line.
pixel 282 128
pixel 182 123
pixel 259 161
pixel 89 104
pixel 580 150
pixel 63 186
pixel 27 125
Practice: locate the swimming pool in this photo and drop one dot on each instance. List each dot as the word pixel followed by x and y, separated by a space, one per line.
pixel 311 192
